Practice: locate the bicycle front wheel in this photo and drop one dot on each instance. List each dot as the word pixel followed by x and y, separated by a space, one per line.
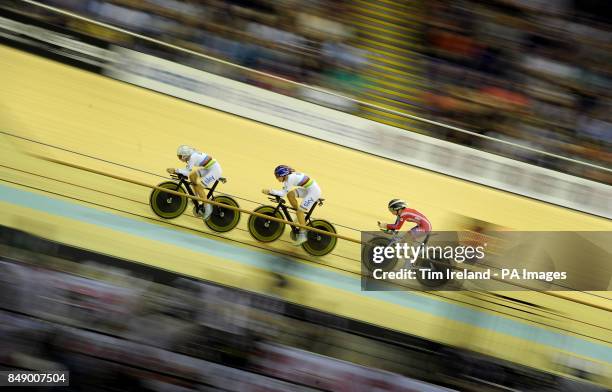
pixel 167 205
pixel 372 255
pixel 266 230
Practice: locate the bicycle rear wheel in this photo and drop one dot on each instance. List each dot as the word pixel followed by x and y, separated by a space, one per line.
pixel 429 280
pixel 320 244
pixel 223 219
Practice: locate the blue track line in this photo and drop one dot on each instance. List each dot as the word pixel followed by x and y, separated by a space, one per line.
pixel 266 261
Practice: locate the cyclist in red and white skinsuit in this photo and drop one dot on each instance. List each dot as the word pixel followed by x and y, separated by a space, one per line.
pixel 404 214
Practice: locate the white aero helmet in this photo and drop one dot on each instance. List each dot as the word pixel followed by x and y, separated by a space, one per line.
pixel 397 204
pixel 184 151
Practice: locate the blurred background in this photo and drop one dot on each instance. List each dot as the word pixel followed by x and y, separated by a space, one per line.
pixel 120 326
pixel 533 73
pixel 124 308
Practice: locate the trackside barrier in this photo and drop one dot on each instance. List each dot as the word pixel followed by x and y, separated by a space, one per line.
pixel 353 240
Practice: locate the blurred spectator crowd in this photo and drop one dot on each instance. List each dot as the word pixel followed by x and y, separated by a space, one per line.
pixel 534 73
pixel 116 332
pixel 119 326
pixel 531 73
pixel 308 42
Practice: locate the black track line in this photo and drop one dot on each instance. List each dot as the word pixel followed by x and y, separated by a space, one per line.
pixel 133 168
pixel 274 251
pixel 156 219
pixel 285 241
pixel 281 240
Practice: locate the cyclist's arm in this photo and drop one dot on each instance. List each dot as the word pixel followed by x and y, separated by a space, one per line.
pixel 282 193
pixel 196 168
pixel 397 225
pixel 287 185
pixel 189 170
pixel 184 172
pixel 190 164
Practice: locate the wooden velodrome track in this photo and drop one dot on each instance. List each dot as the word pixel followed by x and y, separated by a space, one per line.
pixel 69 114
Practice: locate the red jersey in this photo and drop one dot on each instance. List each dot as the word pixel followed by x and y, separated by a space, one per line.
pixel 410 215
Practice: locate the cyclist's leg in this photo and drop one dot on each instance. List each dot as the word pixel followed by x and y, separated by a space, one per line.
pixel 195 179
pixel 207 179
pixel 292 197
pixel 411 239
pixel 210 175
pixel 299 211
pixel 309 197
pixel 293 200
pixel 419 236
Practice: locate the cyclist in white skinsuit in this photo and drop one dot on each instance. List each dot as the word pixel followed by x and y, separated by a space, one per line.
pixel 202 170
pixel 296 185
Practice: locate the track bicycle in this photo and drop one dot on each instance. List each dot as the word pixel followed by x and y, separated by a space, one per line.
pixel 266 230
pixel 391 263
pixel 170 206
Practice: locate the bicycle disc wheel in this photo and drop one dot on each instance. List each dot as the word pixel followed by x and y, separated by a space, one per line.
pixel 320 244
pixel 263 229
pixel 223 219
pixel 167 205
pixel 372 256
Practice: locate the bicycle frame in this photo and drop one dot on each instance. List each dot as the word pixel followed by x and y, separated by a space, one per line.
pixel 184 182
pixel 398 236
pixel 285 210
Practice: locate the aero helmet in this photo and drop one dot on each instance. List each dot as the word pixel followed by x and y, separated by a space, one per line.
pixel 397 204
pixel 184 151
pixel 282 171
